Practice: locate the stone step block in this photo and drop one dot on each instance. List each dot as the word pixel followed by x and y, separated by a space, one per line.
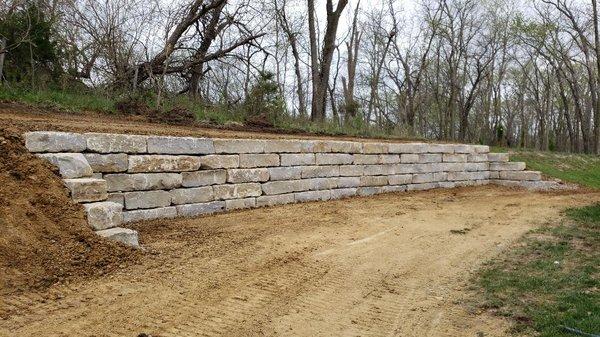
pixel 521 175
pixel 285 173
pixel 149 214
pixel 320 171
pixel 115 143
pixel 107 163
pixel 312 196
pixel 237 191
pixel 285 186
pixel 481 148
pixel 298 159
pixel 192 195
pixel 53 141
pixel 239 145
pixel 70 165
pixel 203 178
pixel 498 157
pixel 87 189
pixel 334 159
pixel 162 163
pixel 247 175
pixel 511 166
pixel 273 200
pixel 235 204
pixel 259 160
pixel 124 182
pixel 212 162
pixel 192 210
pixel 180 145
pixel 440 148
pixel 463 148
pixel 147 199
pixel 104 215
pixel 125 236
pixel 342 193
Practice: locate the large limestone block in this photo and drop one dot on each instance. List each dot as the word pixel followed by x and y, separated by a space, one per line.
pixel 285 146
pixel 147 199
pixel 192 195
pixel 477 158
pixel 70 165
pixel 481 148
pixel 285 186
pixel 312 196
pixel 116 197
pixel 511 166
pixel 334 159
pixel 239 145
pixel 123 182
pixel 408 168
pixel 298 159
pixel 389 159
pixel 342 193
pixel 348 182
pixel 366 159
pixel 180 145
pixel 220 161
pixel 422 187
pixel 430 158
pixel 237 191
pixel 346 147
pixel 272 200
pixel 115 143
pixel 369 190
pixel 375 148
pixel 200 209
pixel 521 175
pixel 52 141
pixel 323 183
pixel 408 148
pixel 204 178
pixel 235 204
pixel 400 179
pixel 498 157
pixel 456 176
pixel 455 158
pixel 107 163
pixel 318 146
pixel 373 181
pixel 351 170
pixel 247 175
pixel 422 178
pixel 285 173
pixel 320 171
pixel 259 160
pixel 125 236
pixel 162 163
pixel 378 170
pixel 476 166
pixel 104 215
pixel 87 189
pixel 464 148
pixel 407 158
pixel 149 214
pixel 394 188
pixel 440 148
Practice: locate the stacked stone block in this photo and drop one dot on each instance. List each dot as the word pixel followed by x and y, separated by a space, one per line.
pixel 125 178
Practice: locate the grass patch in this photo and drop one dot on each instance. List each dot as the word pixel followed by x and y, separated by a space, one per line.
pixel 551 279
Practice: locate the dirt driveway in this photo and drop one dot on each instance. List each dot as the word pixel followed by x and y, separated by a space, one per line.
pixel 389 265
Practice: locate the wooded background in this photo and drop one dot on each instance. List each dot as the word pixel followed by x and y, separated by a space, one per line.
pixel 499 72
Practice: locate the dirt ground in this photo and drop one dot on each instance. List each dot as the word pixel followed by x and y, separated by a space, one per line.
pixel 389 265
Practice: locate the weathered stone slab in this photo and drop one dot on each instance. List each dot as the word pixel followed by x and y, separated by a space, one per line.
pixel 455 158
pixel 511 166
pixel 407 147
pixel 494 174
pixel 422 178
pixel 180 145
pixel 366 159
pixel 147 199
pixel 521 175
pixel 247 175
pixel 284 146
pixel 149 214
pixel 498 157
pixel 203 178
pixel 334 159
pixel 162 163
pixel 452 167
pixel 115 143
pixel 259 160
pixel 272 200
pixel 240 204
pixel 440 148
pixel 368 191
pixel 481 148
pixel 455 176
pixel 409 158
pixel 389 159
pixel 375 148
pixel 107 163
pixel 346 147
pixel 430 158
pixel 298 159
pixel 52 141
pixel 377 170
pixel 125 236
pixel 400 179
pixel 373 181
pixel 421 187
pixel 70 165
pixel 320 171
pixel 123 182
pixel 116 197
pixel 393 189
pixel 87 189
pixel 237 191
pixel 345 182
pixel 477 157
pixel 464 148
pixel 285 186
pixel 239 145
pixel 220 161
pixel 323 183
pixel 192 195
pixel 312 196
pixel 341 193
pixel 533 185
pixel 351 170
pixel 200 209
pixel 475 167
pixel 284 173
pixel 104 215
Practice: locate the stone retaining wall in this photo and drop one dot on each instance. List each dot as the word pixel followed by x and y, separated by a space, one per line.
pixel 126 178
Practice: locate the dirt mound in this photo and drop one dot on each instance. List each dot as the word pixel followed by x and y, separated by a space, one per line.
pixel 44 237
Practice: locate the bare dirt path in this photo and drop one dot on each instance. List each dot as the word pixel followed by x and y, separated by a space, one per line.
pixel 381 266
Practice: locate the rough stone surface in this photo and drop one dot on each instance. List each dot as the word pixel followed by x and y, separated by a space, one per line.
pixel 346 147
pixel 376 148
pixel 481 148
pixel 407 148
pixel 400 179
pixel 521 175
pixel 125 236
pixel 341 193
pixel 298 159
pixel 320 171
pixel 147 199
pixel 334 159
pixel 351 170
pixel 220 161
pixel 259 160
pixel 239 145
pixel 200 209
pixel 240 204
pixel 477 158
pixel 379 170
pixel 345 182
pixel 180 145
pixel 389 159
pixel 366 159
pixel 104 215
pixel 237 191
pixel 247 175
pixel 440 148
pixel 455 176
pixel 87 189
pixel 115 143
pixel 312 196
pixel 272 200
pixel 107 163
pixel 512 166
pixel 428 177
pixel 124 182
pixel 368 191
pixel 284 173
pixel 149 214
pixel 455 158
pixel 323 183
pixel 192 195
pixel 284 146
pixel 421 187
pixel 430 158
pixel 70 165
pixel 162 163
pixel 52 141
pixel 373 181
pixel 285 186
pixel 409 158
pixel 203 178
pixel 498 157
pixel 117 197
pixel 394 188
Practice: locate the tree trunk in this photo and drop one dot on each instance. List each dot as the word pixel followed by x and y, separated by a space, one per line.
pixel 2 54
pixel 597 48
